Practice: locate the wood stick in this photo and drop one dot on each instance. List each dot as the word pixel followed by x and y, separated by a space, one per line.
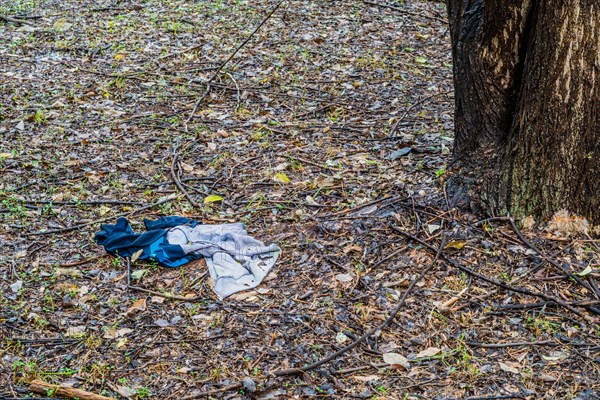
pixel 484 278
pixel 101 220
pixel 6 18
pixel 44 388
pixel 218 71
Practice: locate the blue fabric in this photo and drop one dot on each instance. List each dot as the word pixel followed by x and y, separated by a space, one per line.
pixel 120 240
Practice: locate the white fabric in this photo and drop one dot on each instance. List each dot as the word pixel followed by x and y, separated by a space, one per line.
pixel 235 260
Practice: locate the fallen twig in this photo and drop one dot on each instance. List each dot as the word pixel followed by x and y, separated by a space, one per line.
pixel 6 18
pixel 548 342
pixel 98 221
pixel 484 278
pixel 423 100
pixel 218 71
pixel 193 202
pixel 167 295
pixel 590 287
pixel 44 388
pixel 551 261
pixel 83 202
pixel 214 391
pixel 372 3
pixel 371 331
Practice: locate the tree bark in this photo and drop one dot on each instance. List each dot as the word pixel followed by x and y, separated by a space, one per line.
pixel 527 92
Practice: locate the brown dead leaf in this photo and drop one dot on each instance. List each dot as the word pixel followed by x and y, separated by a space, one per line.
pixel 138 306
pixel 366 378
pixel 429 352
pixel 510 367
pixel 396 359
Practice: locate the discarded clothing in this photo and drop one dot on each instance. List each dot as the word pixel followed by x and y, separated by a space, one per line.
pixel 235 260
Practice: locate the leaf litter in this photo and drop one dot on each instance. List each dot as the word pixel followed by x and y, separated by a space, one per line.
pixel 331 126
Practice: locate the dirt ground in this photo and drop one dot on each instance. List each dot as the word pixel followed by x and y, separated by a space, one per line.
pixel 328 133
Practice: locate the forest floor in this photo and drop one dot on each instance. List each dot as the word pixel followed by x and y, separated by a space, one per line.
pixel 328 133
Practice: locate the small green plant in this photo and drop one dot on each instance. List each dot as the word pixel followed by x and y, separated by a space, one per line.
pixel 143 393
pixel 39 116
pixel 441 171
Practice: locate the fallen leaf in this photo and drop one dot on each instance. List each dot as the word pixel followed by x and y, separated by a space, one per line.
pixel 555 356
pixel 547 378
pixel 138 306
pixel 187 167
pixel 456 244
pixel 429 352
pixel 136 255
pixel 323 182
pixel 161 322
pixel 137 274
pixel 281 177
pixel 353 247
pixel 75 331
pixel 432 228
pixel 213 198
pixel 310 201
pixel 124 331
pixel 512 368
pixel 399 153
pixel 396 359
pixel 75 273
pixel 585 272
pixel 366 378
pixel 110 333
pixel 344 278
pixel 244 295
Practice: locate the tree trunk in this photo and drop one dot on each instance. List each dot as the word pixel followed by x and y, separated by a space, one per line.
pixel 527 92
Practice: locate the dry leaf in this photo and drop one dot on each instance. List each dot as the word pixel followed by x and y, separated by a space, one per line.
pixel 244 295
pixel 567 224
pixel 281 177
pixel 73 272
pixel 187 167
pixel 110 333
pixel 456 244
pixel 138 306
pixel 366 378
pixel 136 255
pixel 528 223
pixel 429 352
pixel 509 367
pixel 396 359
pixel 75 331
pixel 344 278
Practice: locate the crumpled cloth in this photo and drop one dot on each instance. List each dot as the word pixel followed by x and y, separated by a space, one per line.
pixel 235 260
